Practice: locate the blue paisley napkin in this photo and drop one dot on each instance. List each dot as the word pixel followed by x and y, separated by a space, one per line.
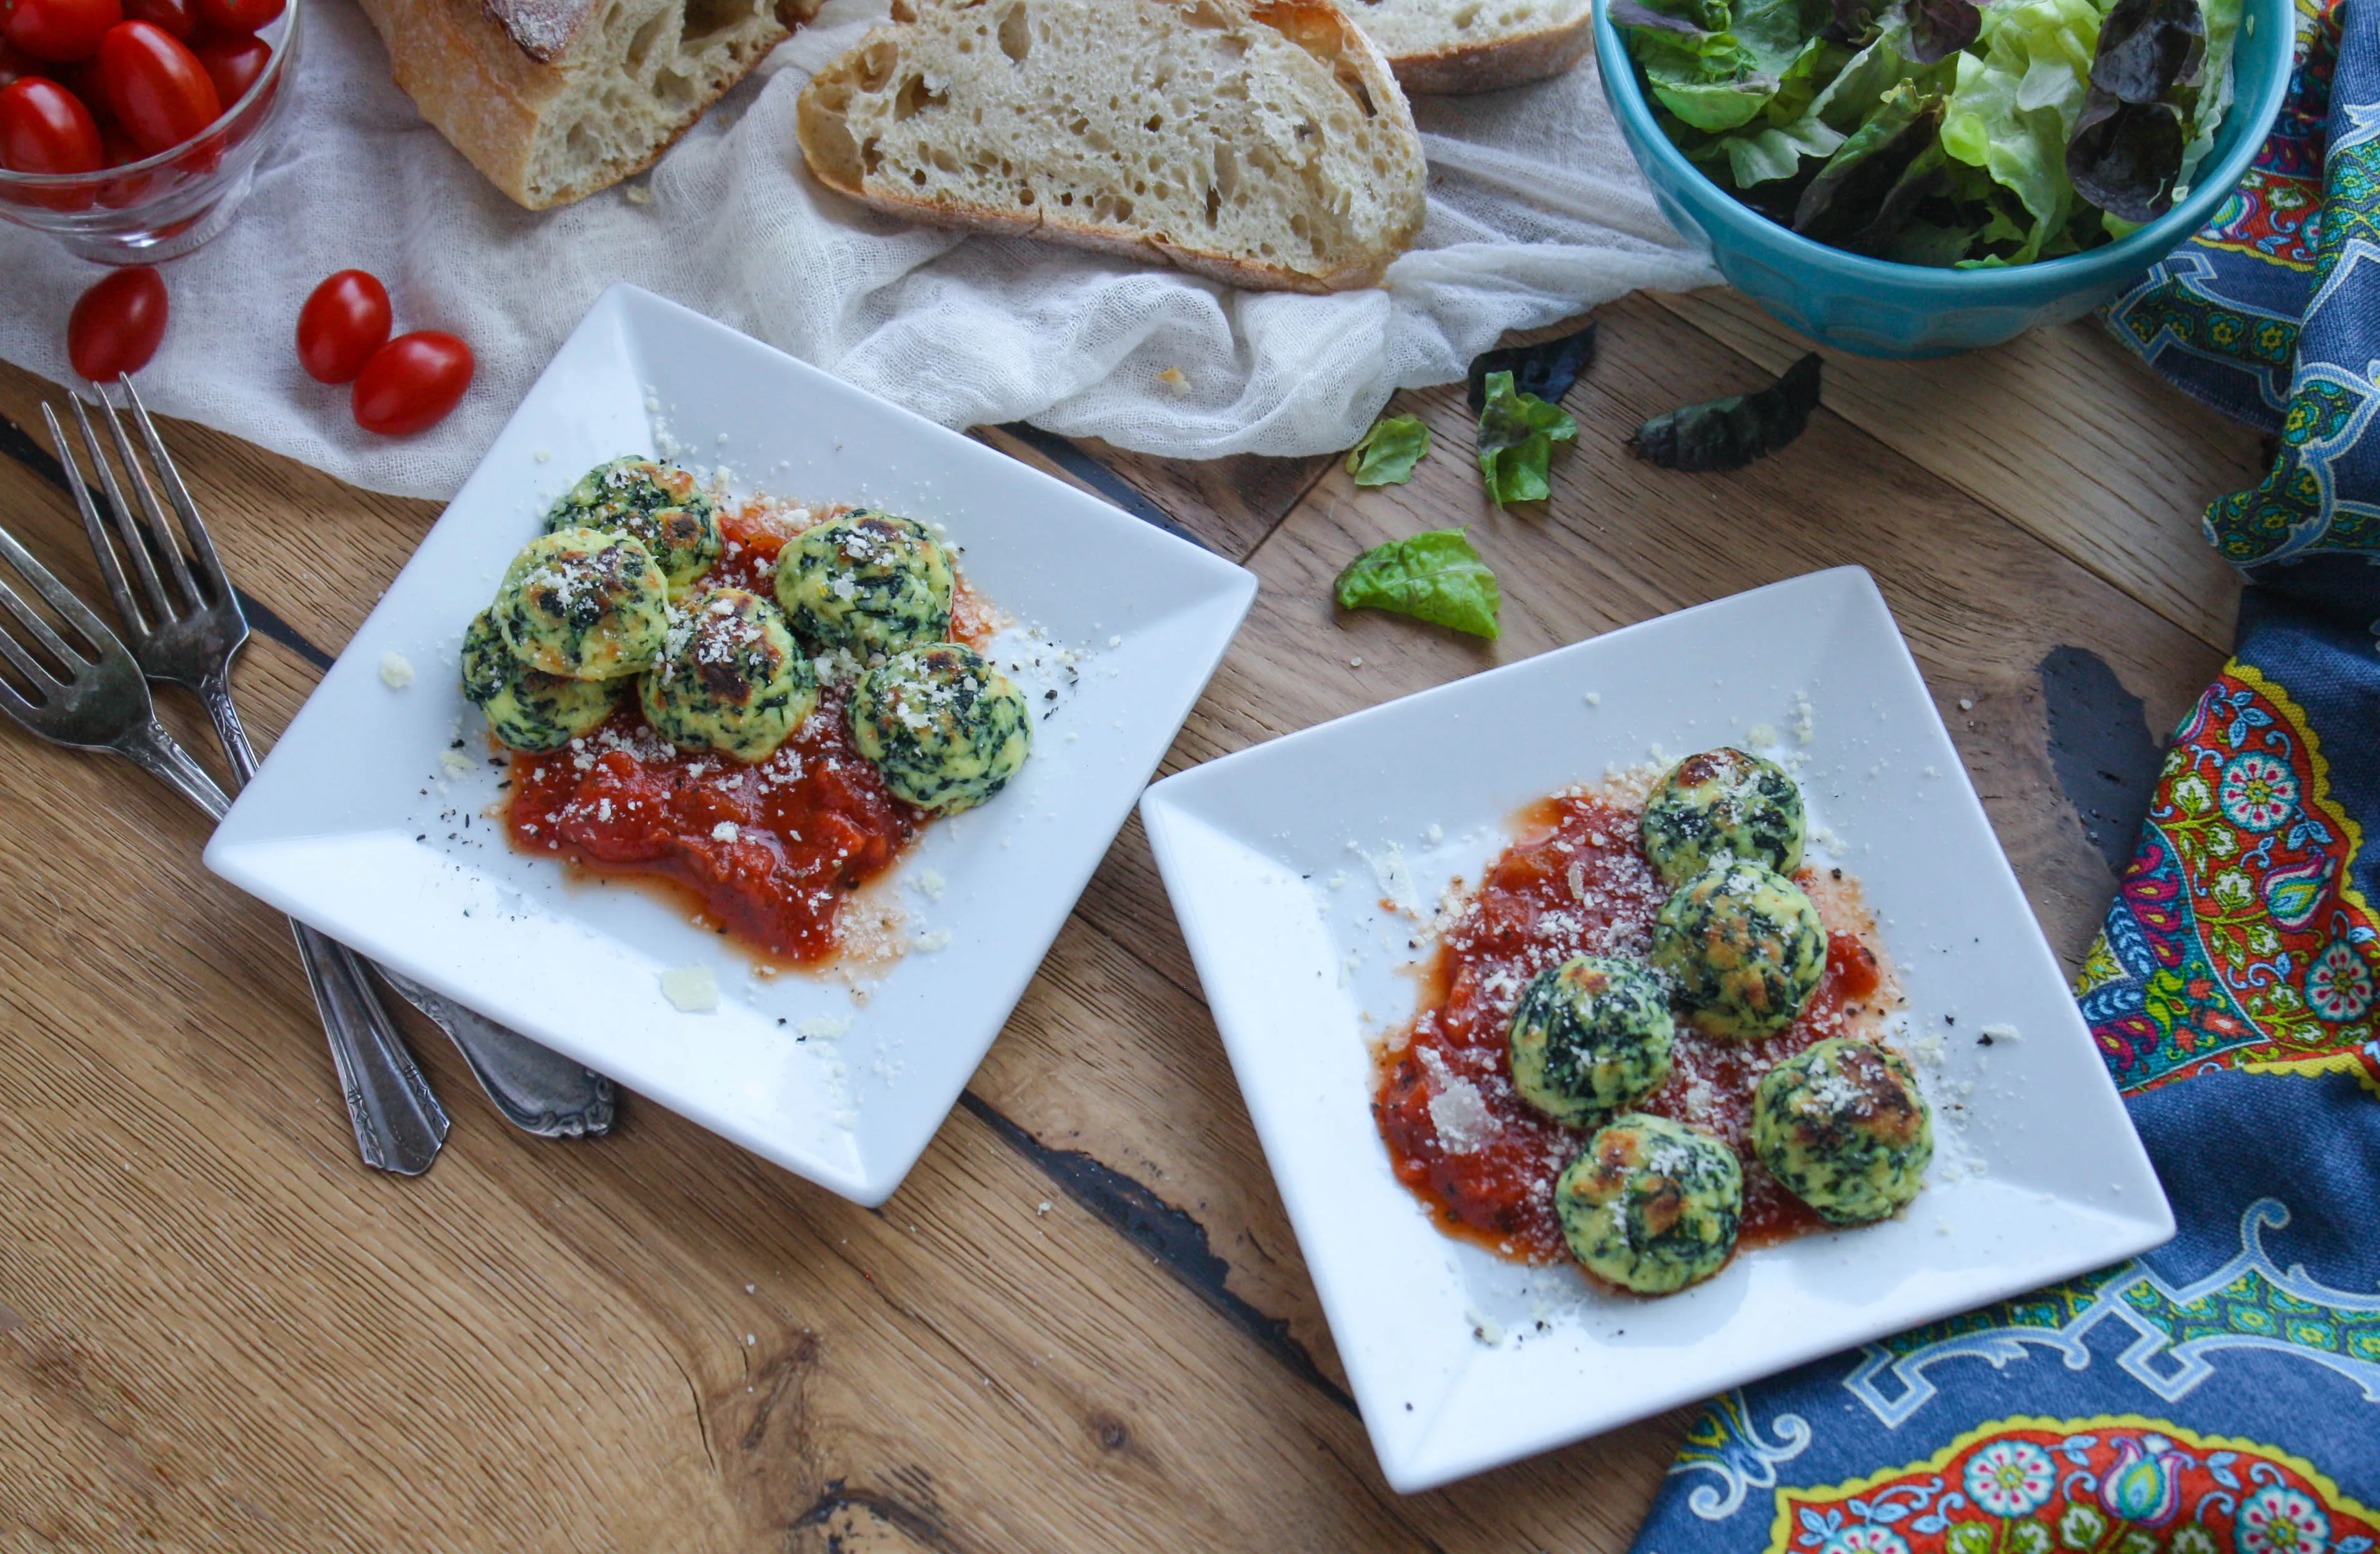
pixel 2220 1395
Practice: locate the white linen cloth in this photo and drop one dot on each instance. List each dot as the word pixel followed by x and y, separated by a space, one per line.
pixel 1536 211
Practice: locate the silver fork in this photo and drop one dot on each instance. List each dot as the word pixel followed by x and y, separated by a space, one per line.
pixel 187 634
pixel 95 697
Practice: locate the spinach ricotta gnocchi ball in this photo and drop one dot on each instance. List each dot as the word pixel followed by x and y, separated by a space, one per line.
pixel 946 729
pixel 660 505
pixel 1589 1037
pixel 730 677
pixel 868 582
pixel 583 604
pixel 1652 1205
pixel 1742 947
pixel 528 709
pixel 1842 1126
pixel 1722 804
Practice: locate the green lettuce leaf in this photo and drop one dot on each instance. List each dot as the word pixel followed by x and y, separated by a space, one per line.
pixel 1435 577
pixel 2213 98
pixel 1517 433
pixel 2014 106
pixel 1764 154
pixel 1387 455
pixel 1726 66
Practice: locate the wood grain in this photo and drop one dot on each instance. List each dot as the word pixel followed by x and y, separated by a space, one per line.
pixel 2061 431
pixel 1083 1323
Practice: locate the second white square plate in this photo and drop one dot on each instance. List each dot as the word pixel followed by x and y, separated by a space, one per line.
pixel 370 817
pixel 1461 1361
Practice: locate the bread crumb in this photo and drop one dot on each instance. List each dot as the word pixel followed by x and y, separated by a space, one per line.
pixel 692 989
pixel 637 194
pixel 938 939
pixel 1966 704
pixel 1175 379
pixel 1486 1329
pixel 395 670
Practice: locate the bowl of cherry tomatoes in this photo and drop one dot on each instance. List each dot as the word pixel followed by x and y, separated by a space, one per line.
pixel 131 128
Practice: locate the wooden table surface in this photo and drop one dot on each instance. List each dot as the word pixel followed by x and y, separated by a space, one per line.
pixel 1083 1323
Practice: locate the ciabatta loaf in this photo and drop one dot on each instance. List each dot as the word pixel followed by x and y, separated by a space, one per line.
pixel 1263 142
pixel 1475 45
pixel 556 99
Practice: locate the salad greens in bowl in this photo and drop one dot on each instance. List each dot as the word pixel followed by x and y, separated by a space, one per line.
pixel 1921 176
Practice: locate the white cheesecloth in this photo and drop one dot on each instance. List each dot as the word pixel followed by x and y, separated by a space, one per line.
pixel 1536 211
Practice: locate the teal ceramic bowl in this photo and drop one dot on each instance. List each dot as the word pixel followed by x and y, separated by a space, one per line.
pixel 1874 308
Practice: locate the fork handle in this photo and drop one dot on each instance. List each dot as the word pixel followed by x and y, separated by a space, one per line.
pixel 156 752
pixel 537 1090
pixel 399 1125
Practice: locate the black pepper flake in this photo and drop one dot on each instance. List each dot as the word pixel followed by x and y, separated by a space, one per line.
pixel 1837 873
pixel 1949 1019
pixel 1984 1039
pixel 456 746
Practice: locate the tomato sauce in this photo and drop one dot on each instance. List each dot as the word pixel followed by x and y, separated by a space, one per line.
pixel 1575 882
pixel 766 854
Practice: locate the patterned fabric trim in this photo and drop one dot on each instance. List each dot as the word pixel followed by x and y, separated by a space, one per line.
pixel 2113 1484
pixel 2239 940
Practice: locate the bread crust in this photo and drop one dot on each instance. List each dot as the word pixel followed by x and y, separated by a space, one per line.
pixel 483 89
pixel 1317 25
pixel 1516 61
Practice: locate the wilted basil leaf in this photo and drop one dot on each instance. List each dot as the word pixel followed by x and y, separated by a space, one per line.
pixel 2124 157
pixel 1387 455
pixel 1859 199
pixel 1939 28
pixel 1730 433
pixel 1547 369
pixel 1435 577
pixel 2147 47
pixel 1517 433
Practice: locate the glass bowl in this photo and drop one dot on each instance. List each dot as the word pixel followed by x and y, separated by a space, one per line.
pixel 163 206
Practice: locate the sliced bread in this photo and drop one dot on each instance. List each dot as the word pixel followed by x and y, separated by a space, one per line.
pixel 1262 142
pixel 1439 46
pixel 556 99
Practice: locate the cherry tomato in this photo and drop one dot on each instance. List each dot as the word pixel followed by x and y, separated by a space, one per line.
pixel 342 326
pixel 15 62
pixel 239 16
pixel 410 383
pixel 117 149
pixel 179 16
pixel 234 64
pixel 160 91
pixel 45 129
pixel 61 31
pixel 117 325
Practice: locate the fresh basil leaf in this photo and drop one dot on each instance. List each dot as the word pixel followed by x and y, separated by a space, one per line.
pixel 1730 433
pixel 1517 433
pixel 2125 156
pixel 1865 192
pixel 1939 28
pixel 1387 455
pixel 1547 369
pixel 1435 577
pixel 2147 47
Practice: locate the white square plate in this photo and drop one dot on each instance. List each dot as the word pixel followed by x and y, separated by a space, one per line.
pixel 358 823
pixel 1461 1361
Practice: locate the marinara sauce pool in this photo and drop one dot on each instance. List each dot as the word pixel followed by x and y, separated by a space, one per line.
pixel 765 853
pixel 1577 883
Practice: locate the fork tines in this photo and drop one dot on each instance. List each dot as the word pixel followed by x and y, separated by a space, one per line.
pixel 197 583
pixel 52 680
